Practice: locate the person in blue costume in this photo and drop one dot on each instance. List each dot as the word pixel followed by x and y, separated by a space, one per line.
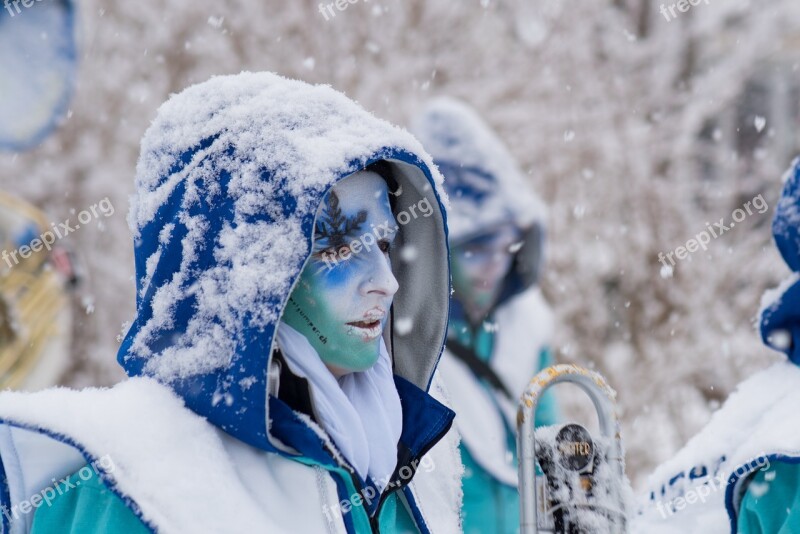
pixel 500 324
pixel 768 501
pixel 292 301
pixel 740 473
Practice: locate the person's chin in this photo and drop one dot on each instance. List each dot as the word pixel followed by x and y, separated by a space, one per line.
pixel 363 364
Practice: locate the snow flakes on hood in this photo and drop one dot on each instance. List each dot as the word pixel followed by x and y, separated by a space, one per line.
pixel 270 124
pixel 228 183
pixel 786 224
pixel 780 307
pixel 492 188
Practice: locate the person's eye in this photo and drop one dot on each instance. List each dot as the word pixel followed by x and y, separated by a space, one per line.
pixel 385 245
pixel 333 254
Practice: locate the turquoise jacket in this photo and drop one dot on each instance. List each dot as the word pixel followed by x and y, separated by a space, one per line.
pixel 772 499
pixel 491 505
pixel 91 508
pixel 771 504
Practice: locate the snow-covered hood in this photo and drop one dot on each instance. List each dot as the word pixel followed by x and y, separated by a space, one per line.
pixel 757 425
pixel 228 183
pixel 485 185
pixel 38 74
pixel 780 313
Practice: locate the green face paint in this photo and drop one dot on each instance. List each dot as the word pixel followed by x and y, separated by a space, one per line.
pixel 341 301
pixel 479 267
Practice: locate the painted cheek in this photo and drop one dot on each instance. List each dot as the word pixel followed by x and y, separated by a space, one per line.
pixel 338 276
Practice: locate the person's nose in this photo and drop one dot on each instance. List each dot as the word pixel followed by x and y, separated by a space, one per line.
pixel 379 279
pixel 496 264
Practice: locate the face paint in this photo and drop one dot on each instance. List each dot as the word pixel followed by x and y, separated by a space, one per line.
pixel 479 267
pixel 341 302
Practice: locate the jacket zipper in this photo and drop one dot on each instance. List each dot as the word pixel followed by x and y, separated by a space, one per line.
pixel 357 485
pixel 373 519
pixel 401 484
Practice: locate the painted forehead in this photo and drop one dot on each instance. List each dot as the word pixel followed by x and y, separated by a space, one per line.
pixel 363 191
pixel 351 207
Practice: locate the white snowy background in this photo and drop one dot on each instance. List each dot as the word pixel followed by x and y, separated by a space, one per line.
pixel 635 130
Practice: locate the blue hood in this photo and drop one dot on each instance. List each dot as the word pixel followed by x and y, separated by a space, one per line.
pixel 229 179
pixel 780 317
pixel 485 185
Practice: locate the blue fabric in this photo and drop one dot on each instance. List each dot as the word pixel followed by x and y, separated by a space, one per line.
pixel 468 183
pixel 415 511
pixel 775 509
pixel 63 38
pixel 5 499
pixel 424 418
pixel 785 223
pixel 244 413
pixel 253 344
pixel 737 491
pixel 781 319
pixel 89 507
pixel 91 459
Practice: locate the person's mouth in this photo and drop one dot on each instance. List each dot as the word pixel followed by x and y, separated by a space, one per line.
pixel 370 326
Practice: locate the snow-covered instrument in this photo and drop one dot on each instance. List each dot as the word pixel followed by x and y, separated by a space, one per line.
pixel 569 481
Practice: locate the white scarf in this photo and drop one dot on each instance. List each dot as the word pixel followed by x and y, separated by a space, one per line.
pixel 360 411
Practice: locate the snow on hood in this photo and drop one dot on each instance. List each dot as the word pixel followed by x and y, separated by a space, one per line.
pixel 38 73
pixel 229 179
pixel 485 185
pixel 780 313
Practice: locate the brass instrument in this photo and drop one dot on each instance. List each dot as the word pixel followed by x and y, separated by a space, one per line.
pixel 34 306
pixel 570 482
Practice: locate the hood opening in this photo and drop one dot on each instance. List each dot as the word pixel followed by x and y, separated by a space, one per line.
pixel 417 327
pixel 229 179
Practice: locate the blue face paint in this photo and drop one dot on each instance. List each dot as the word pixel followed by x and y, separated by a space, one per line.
pixel 341 301
pixel 480 265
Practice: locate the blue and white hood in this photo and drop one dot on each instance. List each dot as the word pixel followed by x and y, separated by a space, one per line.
pixel 485 185
pixel 231 175
pixel 701 488
pixel 228 184
pixel 780 312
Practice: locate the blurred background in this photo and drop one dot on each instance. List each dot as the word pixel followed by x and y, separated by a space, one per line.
pixel 637 128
